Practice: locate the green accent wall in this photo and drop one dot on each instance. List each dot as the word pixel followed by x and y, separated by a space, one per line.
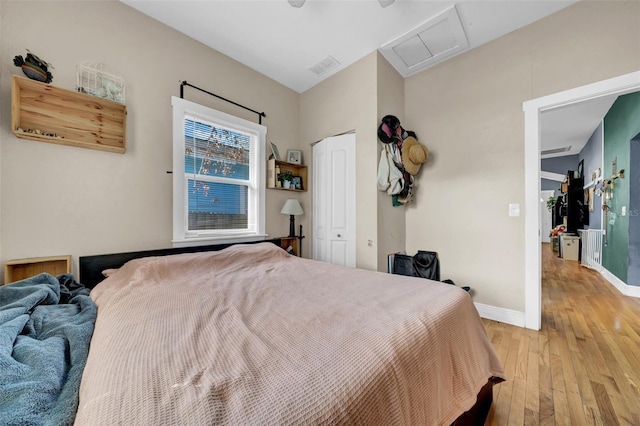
pixel 621 124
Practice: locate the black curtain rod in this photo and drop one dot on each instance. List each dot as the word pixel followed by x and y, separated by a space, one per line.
pixel 184 83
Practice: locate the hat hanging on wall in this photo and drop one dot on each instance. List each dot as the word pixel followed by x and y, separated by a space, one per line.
pixel 413 155
pixel 389 129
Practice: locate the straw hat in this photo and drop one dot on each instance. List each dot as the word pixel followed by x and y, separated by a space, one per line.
pixel 413 155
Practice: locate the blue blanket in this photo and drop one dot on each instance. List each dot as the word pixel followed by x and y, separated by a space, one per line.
pixel 46 325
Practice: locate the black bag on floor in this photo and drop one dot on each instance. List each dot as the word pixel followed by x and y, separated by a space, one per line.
pixel 424 264
pixel 403 265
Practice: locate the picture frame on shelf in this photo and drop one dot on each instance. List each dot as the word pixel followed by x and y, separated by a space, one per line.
pixel 296 183
pixel 274 151
pixel 294 157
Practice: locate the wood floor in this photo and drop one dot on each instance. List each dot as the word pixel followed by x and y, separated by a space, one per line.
pixel 583 366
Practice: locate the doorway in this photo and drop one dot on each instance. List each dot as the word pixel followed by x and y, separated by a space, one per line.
pixel 334 195
pixel 532 109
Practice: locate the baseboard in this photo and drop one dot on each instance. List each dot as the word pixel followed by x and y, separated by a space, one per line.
pixel 507 316
pixel 621 286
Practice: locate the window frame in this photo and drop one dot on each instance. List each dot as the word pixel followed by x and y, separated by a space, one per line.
pixel 257 177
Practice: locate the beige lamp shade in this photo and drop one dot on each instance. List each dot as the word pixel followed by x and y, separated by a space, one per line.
pixel 293 207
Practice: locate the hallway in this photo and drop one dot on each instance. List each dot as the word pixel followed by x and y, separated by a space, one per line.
pixel 583 366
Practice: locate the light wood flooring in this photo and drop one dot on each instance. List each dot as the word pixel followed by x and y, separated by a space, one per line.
pixel 583 366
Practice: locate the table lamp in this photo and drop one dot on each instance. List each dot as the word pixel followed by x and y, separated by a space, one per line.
pixel 293 208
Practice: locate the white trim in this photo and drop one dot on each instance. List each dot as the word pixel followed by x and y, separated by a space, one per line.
pixel 507 316
pixel 191 242
pixel 621 286
pixel 532 109
pixel 532 241
pixel 553 176
pixel 256 183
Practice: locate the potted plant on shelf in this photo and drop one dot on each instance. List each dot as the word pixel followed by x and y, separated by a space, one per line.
pixel 550 203
pixel 287 177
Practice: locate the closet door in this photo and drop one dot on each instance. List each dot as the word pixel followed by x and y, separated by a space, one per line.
pixel 334 206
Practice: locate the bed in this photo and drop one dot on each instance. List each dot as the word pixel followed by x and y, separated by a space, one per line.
pixel 248 335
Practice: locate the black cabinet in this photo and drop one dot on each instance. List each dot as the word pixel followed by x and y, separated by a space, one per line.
pixel 573 211
pixel 557 212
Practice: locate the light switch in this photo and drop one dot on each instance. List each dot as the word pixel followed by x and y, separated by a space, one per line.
pixel 514 210
pixel 624 211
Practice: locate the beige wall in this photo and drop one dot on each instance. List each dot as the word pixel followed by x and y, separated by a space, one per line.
pixel 391 220
pixel 468 111
pixel 65 200
pixel 347 101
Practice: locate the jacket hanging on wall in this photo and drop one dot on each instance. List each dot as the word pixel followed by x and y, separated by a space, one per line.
pixel 390 177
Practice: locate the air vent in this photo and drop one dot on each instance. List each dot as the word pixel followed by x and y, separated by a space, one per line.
pixel 439 38
pixel 326 65
pixel 556 150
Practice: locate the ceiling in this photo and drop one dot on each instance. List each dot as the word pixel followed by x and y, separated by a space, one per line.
pixel 572 126
pixel 285 42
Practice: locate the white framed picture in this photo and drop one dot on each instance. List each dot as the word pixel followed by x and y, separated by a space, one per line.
pixel 274 151
pixel 294 157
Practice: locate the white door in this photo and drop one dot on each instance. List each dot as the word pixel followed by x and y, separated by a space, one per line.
pixel 545 216
pixel 334 200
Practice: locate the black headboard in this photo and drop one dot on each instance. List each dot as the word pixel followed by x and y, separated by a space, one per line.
pixel 91 267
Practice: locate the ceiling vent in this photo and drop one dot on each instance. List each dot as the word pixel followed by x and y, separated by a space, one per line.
pixel 556 150
pixel 325 65
pixel 440 38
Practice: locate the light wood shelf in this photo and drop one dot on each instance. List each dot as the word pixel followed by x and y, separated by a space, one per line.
pixel 296 169
pixel 19 269
pixel 78 119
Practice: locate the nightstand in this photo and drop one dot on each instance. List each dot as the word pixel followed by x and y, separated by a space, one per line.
pixel 19 269
pixel 293 242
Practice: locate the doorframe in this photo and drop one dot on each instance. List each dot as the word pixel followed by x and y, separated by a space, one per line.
pixel 352 247
pixel 620 85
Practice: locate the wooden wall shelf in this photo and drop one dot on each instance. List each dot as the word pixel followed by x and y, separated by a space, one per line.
pixel 77 119
pixel 295 169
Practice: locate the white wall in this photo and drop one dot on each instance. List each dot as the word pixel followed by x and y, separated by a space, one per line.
pixel 65 200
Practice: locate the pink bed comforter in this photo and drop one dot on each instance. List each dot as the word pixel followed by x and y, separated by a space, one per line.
pixel 251 335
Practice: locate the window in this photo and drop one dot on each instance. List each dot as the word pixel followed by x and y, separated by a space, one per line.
pixel 218 176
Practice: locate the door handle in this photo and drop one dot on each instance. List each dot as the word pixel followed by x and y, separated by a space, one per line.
pixel 339 236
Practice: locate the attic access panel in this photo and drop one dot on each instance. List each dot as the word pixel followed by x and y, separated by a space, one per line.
pixel 435 40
